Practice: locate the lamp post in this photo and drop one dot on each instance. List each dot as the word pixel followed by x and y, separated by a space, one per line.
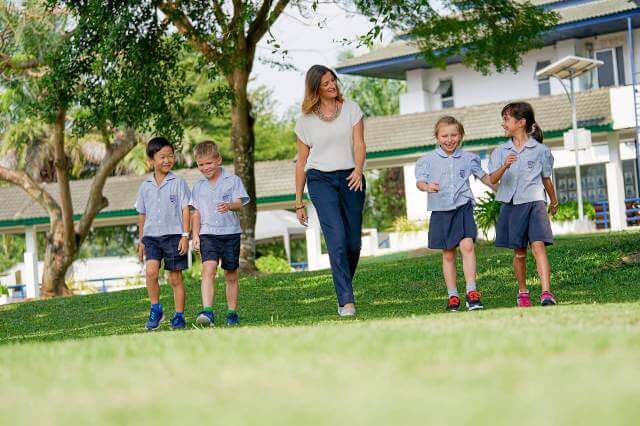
pixel 569 68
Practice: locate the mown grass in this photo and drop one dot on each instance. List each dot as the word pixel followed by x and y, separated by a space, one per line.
pixel 573 364
pixel 87 360
pixel 586 270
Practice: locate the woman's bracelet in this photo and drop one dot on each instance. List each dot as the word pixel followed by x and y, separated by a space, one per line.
pixel 300 207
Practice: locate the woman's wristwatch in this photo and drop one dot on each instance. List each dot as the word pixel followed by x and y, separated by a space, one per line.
pixel 300 207
pixel 186 234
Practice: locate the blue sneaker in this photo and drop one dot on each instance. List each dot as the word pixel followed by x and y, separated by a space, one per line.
pixel 205 319
pixel 232 319
pixel 178 322
pixel 155 317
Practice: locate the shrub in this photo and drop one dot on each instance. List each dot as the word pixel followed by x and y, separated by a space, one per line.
pixel 569 211
pixel 403 224
pixel 487 212
pixel 4 291
pixel 271 264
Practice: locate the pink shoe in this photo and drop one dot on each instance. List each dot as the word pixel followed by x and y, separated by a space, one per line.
pixel 547 298
pixel 524 301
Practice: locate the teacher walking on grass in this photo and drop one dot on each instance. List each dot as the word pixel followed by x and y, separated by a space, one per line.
pixel 331 155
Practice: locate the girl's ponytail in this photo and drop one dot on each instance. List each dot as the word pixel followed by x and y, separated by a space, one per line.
pixel 536 132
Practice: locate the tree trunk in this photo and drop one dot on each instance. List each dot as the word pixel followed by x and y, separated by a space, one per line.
pixel 243 141
pixel 56 262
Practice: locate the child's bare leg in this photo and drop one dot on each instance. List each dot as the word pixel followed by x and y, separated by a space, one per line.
pixel 542 264
pixel 151 277
pixel 520 268
pixel 449 268
pixel 232 289
pixel 209 268
pixel 177 284
pixel 468 260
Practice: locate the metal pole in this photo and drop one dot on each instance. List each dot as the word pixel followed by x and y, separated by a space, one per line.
pixel 574 117
pixel 632 60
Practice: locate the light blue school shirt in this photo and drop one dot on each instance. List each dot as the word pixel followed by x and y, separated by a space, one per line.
pixel 205 198
pixel 162 205
pixel 522 182
pixel 452 173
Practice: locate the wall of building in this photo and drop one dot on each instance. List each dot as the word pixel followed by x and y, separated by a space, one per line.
pixel 472 88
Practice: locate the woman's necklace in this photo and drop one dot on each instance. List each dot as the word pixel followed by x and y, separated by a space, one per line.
pixel 331 117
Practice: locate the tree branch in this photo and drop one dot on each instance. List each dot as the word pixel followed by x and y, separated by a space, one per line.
pixel 97 201
pixel 62 175
pixel 186 28
pixel 220 16
pixel 261 24
pixel 35 191
pixel 31 67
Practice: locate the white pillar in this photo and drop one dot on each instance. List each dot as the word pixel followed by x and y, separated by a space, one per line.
pixel 415 199
pixel 287 244
pixel 615 184
pixel 314 246
pixel 31 263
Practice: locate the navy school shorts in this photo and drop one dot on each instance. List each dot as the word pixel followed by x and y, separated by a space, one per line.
pixel 165 248
pixel 448 228
pixel 521 224
pixel 225 247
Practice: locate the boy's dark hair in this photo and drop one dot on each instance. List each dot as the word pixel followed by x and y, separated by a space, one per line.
pixel 520 110
pixel 156 144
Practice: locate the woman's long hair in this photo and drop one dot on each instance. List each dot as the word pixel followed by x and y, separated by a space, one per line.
pixel 312 87
pixel 520 110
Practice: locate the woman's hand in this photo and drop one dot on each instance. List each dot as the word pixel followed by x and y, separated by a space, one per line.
pixel 553 208
pixel 141 252
pixel 196 242
pixel 301 213
pixel 355 180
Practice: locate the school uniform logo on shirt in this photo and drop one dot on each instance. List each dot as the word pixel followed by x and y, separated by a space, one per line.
pixel 530 164
pixel 173 198
pixel 462 173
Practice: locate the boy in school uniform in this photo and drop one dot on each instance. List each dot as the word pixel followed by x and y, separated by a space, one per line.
pixel 163 226
pixel 216 198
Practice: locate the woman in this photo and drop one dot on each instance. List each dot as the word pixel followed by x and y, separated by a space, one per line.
pixel 331 155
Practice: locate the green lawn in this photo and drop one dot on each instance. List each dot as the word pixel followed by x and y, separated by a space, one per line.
pixel 403 361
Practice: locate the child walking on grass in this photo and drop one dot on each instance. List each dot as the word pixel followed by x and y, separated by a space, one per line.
pixel 523 167
pixel 444 174
pixel 163 207
pixel 216 198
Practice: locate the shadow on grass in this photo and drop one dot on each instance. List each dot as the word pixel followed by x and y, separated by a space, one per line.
pixel 586 270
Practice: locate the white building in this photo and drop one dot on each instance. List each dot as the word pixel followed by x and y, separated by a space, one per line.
pixel 603 29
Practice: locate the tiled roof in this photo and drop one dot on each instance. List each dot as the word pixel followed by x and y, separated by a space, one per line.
pixel 484 121
pixel 273 179
pixel 573 13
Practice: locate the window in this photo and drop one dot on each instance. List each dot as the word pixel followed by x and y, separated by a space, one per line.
pixel 594 183
pixel 630 179
pixel 611 73
pixel 446 93
pixel 544 87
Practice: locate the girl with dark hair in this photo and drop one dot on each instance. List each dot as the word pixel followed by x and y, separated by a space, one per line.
pixel 331 155
pixel 523 167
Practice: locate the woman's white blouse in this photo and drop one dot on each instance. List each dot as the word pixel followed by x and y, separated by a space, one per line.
pixel 331 142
